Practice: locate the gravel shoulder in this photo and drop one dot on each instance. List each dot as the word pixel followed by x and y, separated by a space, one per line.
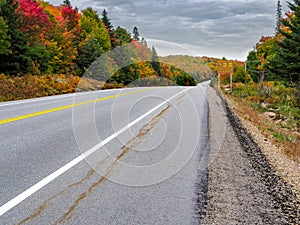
pixel 242 185
pixel 285 167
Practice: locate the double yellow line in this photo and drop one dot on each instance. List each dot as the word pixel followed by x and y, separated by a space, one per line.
pixel 13 119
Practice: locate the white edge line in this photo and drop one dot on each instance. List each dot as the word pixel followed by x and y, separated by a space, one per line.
pixel 53 97
pixel 27 193
pixel 70 95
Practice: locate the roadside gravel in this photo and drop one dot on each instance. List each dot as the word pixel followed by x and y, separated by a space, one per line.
pixel 285 167
pixel 242 187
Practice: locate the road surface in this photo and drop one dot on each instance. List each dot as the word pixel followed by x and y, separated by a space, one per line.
pixel 130 156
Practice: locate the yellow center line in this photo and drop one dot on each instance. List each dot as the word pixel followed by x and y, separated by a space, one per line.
pixel 13 119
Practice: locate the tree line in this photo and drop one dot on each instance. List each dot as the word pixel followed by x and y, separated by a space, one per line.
pixel 39 38
pixel 277 57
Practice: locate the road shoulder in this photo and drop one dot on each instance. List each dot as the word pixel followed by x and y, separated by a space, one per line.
pixel 242 187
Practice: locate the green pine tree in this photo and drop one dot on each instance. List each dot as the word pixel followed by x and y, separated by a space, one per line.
pixel 88 52
pixel 136 34
pixel 40 58
pixel 17 61
pixel 67 3
pixel 286 63
pixel 279 16
pixel 106 20
pixel 155 61
pixel 252 65
pixel 4 37
pixel 110 28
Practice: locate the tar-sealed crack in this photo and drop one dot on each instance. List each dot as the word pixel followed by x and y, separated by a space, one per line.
pixel 131 144
pixel 201 184
pixel 201 196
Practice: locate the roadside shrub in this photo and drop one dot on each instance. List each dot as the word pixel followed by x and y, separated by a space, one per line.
pixel 244 91
pixel 266 89
pixel 29 86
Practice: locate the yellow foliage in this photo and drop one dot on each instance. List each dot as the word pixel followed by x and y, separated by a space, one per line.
pixel 29 86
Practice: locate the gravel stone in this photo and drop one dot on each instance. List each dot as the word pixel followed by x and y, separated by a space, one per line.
pixel 242 186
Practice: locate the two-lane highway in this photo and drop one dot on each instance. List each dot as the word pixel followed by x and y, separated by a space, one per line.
pixel 130 156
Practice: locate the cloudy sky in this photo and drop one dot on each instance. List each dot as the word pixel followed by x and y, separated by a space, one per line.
pixel 197 27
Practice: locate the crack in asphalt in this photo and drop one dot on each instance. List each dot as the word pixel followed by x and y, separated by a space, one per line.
pixel 134 142
pixel 126 148
pixel 46 203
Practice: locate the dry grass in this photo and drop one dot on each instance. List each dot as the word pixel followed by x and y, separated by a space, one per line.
pixel 286 140
pixel 29 86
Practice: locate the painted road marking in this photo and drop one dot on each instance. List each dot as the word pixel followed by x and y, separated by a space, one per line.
pixel 30 115
pixel 24 195
pixel 55 97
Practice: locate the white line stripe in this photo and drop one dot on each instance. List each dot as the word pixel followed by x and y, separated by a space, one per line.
pixel 21 197
pixel 54 97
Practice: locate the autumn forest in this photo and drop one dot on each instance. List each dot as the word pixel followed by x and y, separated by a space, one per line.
pixel 47 49
pixel 60 43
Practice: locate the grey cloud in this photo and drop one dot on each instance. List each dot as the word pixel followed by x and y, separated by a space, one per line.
pixel 235 25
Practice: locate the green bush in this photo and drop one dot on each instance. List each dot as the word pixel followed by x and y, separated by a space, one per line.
pixel 244 91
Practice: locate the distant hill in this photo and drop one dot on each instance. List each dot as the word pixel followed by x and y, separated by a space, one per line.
pixel 195 66
pixel 202 68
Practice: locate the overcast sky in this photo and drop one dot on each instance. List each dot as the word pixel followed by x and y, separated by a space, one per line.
pixel 217 28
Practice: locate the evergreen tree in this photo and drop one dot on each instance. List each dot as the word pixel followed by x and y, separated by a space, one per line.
pixel 106 20
pixel 286 63
pixel 88 52
pixel 109 28
pixel 252 66
pixel 4 38
pixel 17 61
pixel 155 61
pixel 136 34
pixel 67 3
pixel 40 58
pixel 279 16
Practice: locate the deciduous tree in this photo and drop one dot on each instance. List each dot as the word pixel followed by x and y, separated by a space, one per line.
pixel 35 22
pixel 122 36
pixel 91 24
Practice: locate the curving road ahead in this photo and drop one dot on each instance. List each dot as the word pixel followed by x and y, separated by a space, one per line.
pixel 129 156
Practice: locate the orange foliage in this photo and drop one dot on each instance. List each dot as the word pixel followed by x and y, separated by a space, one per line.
pixel 53 10
pixel 15 88
pixel 142 50
pixel 145 70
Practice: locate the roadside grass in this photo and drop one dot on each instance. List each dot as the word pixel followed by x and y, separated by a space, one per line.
pixel 256 102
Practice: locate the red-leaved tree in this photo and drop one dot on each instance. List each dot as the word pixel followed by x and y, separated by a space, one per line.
pixel 35 21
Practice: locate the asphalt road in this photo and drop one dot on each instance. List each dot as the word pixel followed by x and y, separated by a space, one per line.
pixel 130 156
